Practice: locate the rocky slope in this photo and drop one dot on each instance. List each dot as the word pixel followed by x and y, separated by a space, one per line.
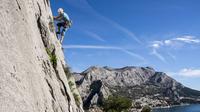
pixel 142 84
pixel 32 66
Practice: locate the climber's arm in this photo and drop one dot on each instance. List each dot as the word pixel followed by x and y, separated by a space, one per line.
pixel 57 17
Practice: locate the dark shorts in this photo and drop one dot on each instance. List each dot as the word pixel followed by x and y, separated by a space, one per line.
pixel 62 24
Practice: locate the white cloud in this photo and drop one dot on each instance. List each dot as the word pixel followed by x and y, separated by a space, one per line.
pixel 156 44
pixel 168 42
pixel 95 36
pixel 188 72
pixel 174 43
pixel 104 48
pixel 186 39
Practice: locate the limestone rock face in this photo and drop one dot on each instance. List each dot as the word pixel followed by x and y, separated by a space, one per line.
pixel 143 85
pixel 30 81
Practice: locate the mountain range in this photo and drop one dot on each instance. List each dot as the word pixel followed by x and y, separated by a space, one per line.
pixel 144 85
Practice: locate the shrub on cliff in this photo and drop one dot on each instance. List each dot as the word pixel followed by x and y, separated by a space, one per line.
pixel 52 57
pixel 117 104
pixel 67 72
pixel 71 84
pixel 77 99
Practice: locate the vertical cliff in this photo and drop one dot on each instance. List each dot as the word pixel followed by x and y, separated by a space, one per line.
pixel 32 66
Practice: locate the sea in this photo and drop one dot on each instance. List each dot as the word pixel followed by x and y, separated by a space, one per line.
pixel 185 108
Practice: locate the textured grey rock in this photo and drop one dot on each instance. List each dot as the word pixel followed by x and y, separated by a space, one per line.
pixel 28 80
pixel 142 84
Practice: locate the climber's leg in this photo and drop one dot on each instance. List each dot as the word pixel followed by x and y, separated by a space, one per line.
pixel 63 34
pixel 59 25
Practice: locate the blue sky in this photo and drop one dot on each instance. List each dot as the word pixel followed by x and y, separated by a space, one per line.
pixel 163 34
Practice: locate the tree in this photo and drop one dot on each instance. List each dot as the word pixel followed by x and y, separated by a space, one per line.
pixel 117 104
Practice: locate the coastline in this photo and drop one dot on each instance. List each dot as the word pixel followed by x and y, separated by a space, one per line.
pixel 171 106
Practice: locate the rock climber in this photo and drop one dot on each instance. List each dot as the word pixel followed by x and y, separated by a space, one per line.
pixel 64 23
